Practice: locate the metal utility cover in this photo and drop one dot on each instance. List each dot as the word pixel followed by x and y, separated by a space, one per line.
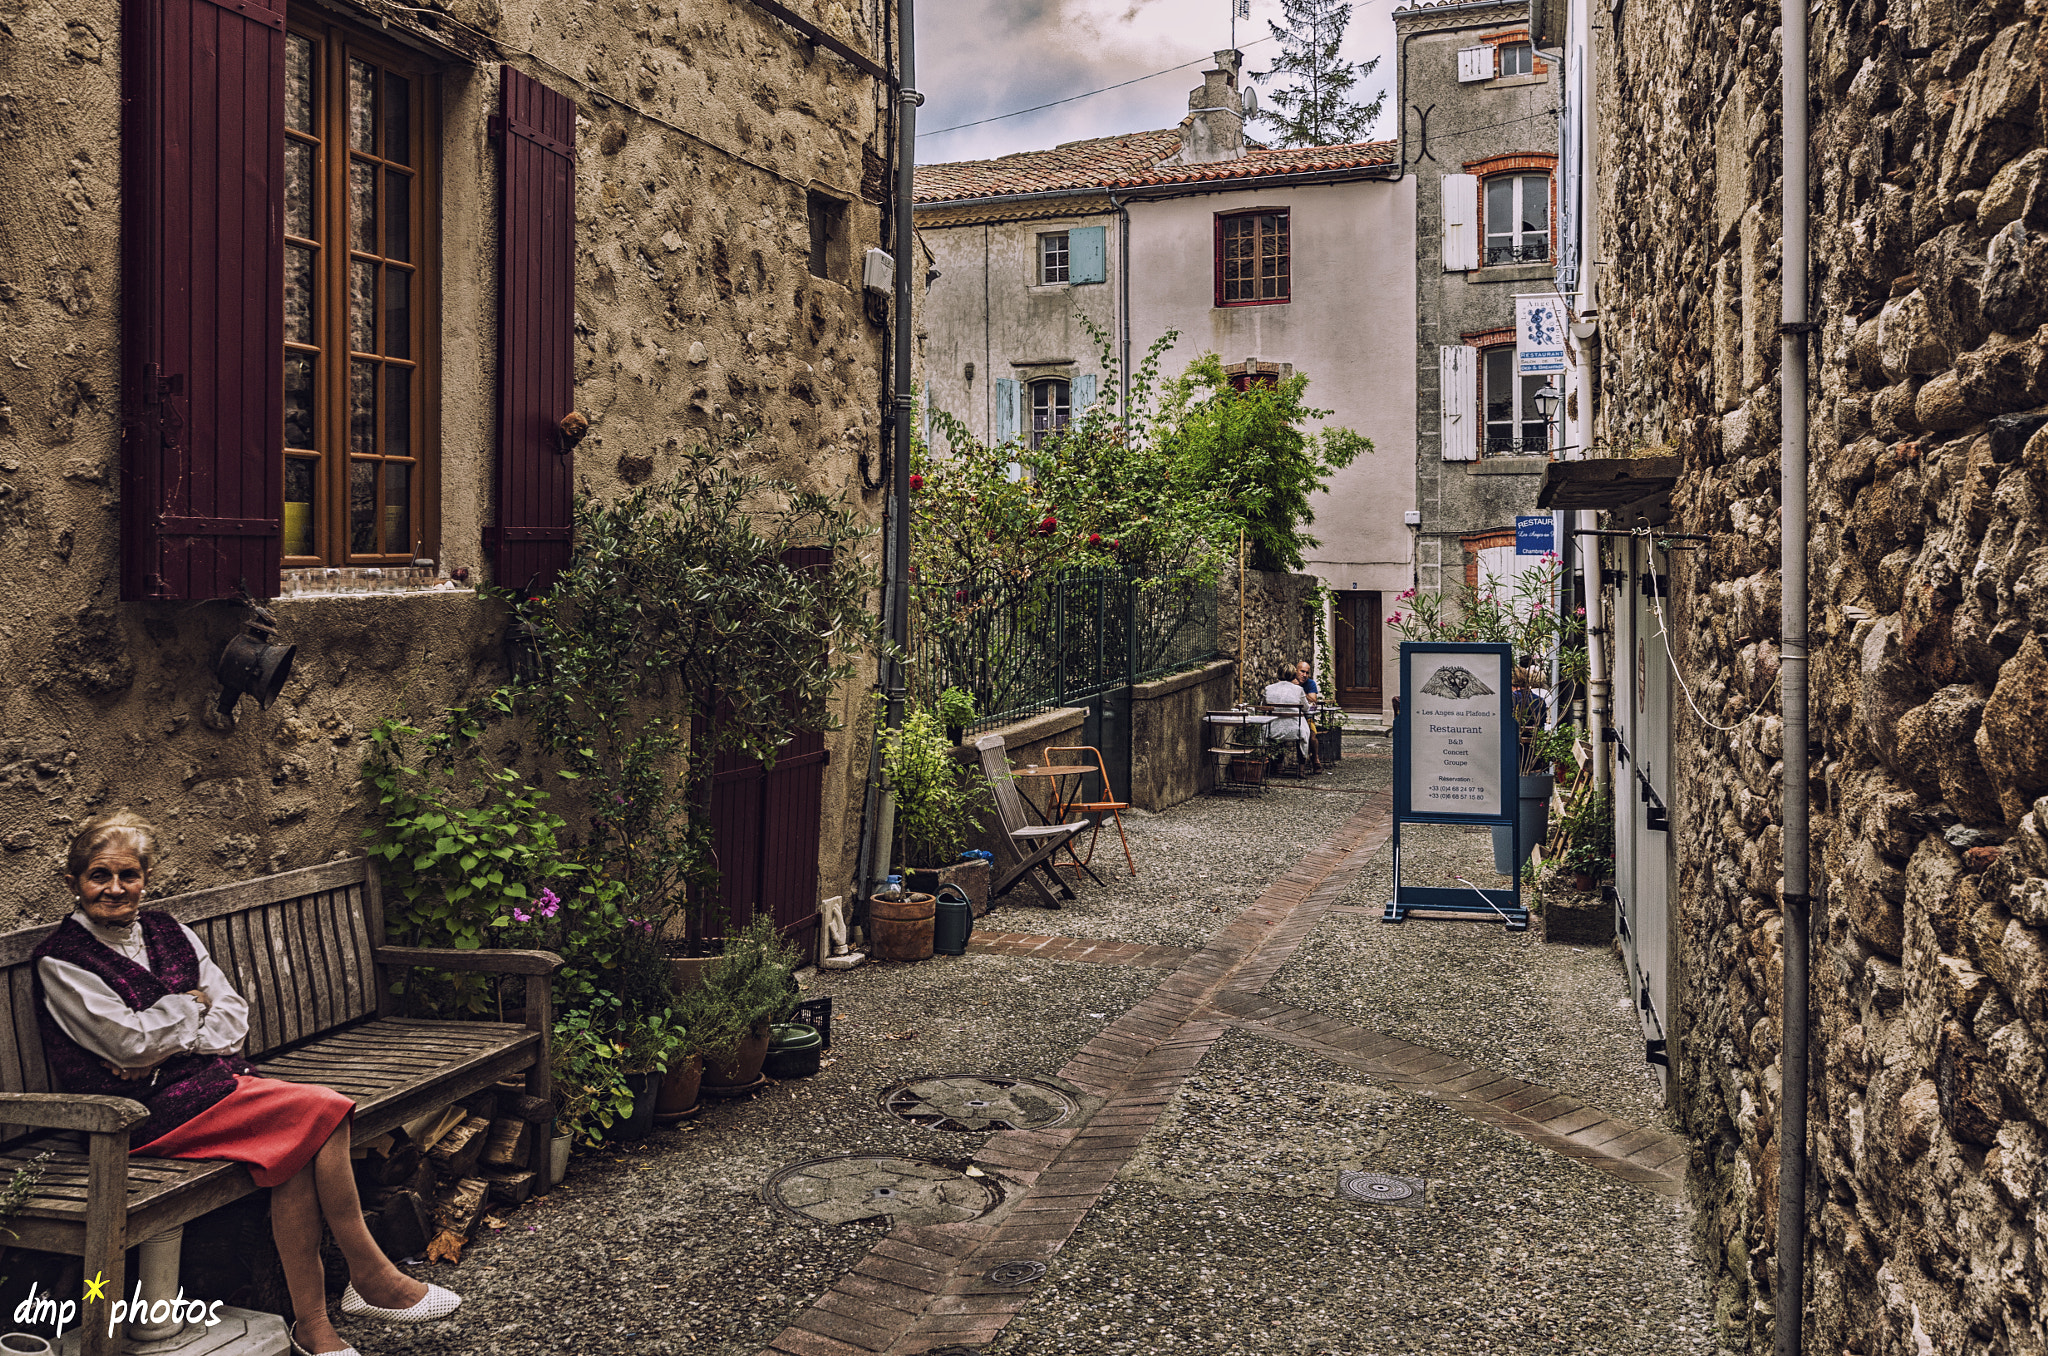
pixel 976 1102
pixel 1378 1188
pixel 1015 1273
pixel 850 1187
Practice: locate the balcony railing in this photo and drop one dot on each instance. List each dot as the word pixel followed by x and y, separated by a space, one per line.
pixel 1528 252
pixel 1503 446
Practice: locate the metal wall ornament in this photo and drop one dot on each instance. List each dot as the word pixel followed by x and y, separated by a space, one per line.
pixel 254 664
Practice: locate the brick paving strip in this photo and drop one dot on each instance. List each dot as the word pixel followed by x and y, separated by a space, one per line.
pixel 1133 954
pixel 924 1286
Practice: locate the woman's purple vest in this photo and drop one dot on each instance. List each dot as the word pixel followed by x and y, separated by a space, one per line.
pixel 185 1085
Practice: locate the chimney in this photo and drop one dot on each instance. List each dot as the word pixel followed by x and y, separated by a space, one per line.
pixel 1214 127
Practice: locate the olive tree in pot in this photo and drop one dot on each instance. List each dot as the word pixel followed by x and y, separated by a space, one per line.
pixel 711 612
pixel 750 986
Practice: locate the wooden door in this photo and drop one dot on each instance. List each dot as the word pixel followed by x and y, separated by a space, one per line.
pixel 764 827
pixel 1358 651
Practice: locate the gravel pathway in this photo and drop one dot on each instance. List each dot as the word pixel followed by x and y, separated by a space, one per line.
pixel 1202 861
pixel 1226 1235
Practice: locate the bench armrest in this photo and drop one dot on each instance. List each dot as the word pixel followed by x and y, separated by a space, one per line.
pixel 67 1111
pixel 449 958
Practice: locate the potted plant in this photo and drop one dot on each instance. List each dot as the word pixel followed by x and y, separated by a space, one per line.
pixel 591 1093
pixel 956 712
pixel 749 987
pixel 1588 832
pixel 648 1045
pixel 939 802
pixel 1329 734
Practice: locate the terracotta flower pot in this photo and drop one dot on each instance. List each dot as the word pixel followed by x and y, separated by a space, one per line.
pixel 679 1087
pixel 900 925
pixel 739 1069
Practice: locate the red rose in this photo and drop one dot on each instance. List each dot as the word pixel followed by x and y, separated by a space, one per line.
pixel 916 483
pixel 1095 539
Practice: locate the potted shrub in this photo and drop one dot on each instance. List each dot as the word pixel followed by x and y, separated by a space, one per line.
pixel 1329 735
pixel 749 987
pixel 939 802
pixel 591 1093
pixel 1588 832
pixel 956 712
pixel 647 1045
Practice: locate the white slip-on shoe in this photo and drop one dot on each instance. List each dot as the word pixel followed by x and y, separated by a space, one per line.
pixel 435 1304
pixel 291 1334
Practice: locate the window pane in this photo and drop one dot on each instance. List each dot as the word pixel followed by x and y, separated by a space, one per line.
pixel 1535 204
pixel 1535 434
pixel 362 507
pixel 397 508
pixel 1500 388
pixel 397 118
pixel 362 105
pixel 298 402
pixel 362 306
pixel 398 411
pixel 362 206
pixel 298 294
pixel 299 481
pixel 397 313
pixel 397 215
pixel 298 83
pixel 362 409
pixel 298 188
pixel 1500 207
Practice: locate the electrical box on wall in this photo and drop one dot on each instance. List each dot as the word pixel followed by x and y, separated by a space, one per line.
pixel 1413 517
pixel 878 271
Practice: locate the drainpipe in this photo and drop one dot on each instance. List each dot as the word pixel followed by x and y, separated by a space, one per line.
pixel 1123 284
pixel 1599 689
pixel 896 607
pixel 1792 529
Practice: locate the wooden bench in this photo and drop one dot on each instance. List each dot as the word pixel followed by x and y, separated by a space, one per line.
pixel 303 948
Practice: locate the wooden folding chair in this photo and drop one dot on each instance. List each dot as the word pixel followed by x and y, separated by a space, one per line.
pixel 1097 808
pixel 1029 846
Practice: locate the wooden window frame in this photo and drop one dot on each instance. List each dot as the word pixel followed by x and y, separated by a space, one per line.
pixel 1285 254
pixel 1046 265
pixel 335 251
pixel 1520 419
pixel 1473 544
pixel 1054 424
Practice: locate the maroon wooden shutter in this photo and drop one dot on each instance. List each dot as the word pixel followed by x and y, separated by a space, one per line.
pixel 536 326
pixel 202 198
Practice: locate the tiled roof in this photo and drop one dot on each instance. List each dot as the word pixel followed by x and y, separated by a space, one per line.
pixel 1129 161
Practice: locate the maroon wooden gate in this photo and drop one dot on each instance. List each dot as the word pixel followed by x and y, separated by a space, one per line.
pixel 764 825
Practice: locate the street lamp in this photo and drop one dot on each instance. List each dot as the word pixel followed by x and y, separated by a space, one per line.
pixel 1547 401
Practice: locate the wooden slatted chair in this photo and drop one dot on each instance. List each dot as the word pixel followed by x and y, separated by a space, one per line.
pixel 1099 807
pixel 303 947
pixel 1029 847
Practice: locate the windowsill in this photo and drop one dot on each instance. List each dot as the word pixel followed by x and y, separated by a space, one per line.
pixel 1511 81
pixel 1233 305
pixel 1048 287
pixel 1509 466
pixel 1513 273
pixel 363 582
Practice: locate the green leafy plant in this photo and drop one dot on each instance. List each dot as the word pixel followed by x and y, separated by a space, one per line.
pixel 939 799
pixel 591 1092
pixel 1543 749
pixel 1587 831
pixel 714 611
pixel 748 986
pixel 955 709
pixel 652 1042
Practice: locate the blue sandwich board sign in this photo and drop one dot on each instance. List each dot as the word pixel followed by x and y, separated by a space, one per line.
pixel 1534 534
pixel 1457 747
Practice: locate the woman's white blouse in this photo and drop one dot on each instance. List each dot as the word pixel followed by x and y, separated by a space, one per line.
pixel 92 1014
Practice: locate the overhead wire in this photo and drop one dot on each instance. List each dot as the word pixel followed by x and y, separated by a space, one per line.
pixel 1071 98
pixel 1664 634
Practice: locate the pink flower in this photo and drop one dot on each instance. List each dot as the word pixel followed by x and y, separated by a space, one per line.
pixel 519 917
pixel 1394 620
pixel 549 904
pixel 1581 611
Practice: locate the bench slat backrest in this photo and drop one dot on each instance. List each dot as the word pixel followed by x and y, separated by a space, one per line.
pixel 297 945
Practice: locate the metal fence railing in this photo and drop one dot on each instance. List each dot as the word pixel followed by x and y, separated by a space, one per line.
pixel 1024 645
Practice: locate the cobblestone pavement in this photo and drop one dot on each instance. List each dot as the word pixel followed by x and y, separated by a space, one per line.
pixel 1196 1064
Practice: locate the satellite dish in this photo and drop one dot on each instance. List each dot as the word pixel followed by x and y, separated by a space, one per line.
pixel 1251 102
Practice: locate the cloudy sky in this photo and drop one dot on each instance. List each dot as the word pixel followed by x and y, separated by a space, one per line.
pixel 980 58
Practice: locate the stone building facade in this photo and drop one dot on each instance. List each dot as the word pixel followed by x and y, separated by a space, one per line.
pixel 1929 552
pixel 727 173
pixel 1478 103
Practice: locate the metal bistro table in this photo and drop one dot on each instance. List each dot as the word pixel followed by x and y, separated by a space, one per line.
pixel 1225 722
pixel 1055 810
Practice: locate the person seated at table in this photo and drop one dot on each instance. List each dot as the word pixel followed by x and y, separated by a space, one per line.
pixel 1313 698
pixel 131 1005
pixel 1288 727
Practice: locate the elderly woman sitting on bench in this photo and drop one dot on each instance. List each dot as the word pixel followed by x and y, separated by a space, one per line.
pixel 133 1006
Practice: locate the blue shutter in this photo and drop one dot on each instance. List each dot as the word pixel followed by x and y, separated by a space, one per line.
pixel 1086 256
pixel 1009 408
pixel 1084 392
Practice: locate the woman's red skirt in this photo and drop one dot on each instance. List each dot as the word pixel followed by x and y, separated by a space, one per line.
pixel 273 1126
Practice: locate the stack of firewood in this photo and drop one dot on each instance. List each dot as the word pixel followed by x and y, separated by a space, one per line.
pixel 427 1185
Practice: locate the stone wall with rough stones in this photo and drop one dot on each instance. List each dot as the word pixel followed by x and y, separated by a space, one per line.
pixel 1929 617
pixel 699 134
pixel 1278 624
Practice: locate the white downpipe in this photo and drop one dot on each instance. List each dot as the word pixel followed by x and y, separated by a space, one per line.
pixel 1600 690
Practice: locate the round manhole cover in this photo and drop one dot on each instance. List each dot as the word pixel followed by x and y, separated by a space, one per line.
pixel 845 1188
pixel 978 1102
pixel 1016 1273
pixel 1379 1188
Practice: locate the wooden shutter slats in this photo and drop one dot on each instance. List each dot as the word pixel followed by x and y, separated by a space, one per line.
pixel 202 296
pixel 536 331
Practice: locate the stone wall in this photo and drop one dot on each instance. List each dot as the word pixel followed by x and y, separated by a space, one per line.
pixel 1169 762
pixel 1929 1104
pixel 699 135
pixel 1278 624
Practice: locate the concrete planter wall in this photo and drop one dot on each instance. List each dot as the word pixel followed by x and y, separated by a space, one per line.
pixel 1167 737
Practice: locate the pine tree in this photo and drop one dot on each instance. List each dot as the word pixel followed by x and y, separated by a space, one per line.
pixel 1312 108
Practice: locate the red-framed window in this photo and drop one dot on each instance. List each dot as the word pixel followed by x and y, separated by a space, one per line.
pixel 1517 208
pixel 1253 258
